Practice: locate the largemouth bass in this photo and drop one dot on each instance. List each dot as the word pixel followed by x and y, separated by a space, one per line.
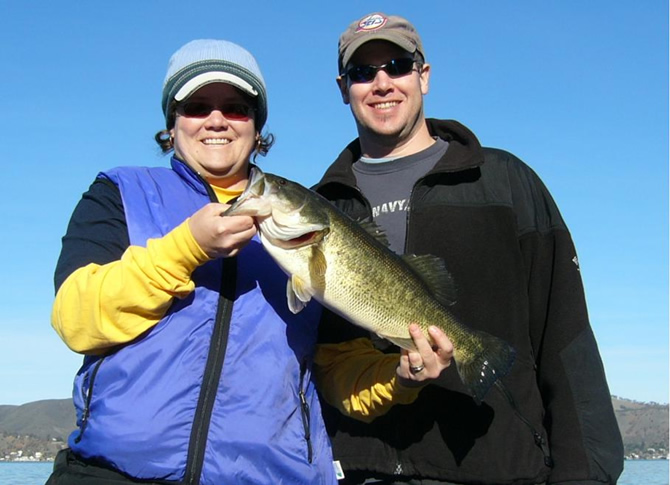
pixel 349 269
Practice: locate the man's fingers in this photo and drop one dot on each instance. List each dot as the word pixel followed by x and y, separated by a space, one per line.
pixel 433 354
pixel 443 348
pixel 415 362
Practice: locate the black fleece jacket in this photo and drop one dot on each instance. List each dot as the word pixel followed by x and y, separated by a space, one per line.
pixel 492 220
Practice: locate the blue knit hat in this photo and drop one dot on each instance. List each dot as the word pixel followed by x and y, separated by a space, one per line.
pixel 206 61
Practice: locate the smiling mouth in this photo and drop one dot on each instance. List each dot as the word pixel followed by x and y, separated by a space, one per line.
pixel 386 105
pixel 216 141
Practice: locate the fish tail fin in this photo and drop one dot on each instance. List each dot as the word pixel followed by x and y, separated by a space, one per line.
pixel 481 371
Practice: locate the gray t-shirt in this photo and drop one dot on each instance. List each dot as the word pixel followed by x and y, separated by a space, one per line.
pixel 387 184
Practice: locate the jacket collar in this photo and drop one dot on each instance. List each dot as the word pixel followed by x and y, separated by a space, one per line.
pixel 190 176
pixel 464 152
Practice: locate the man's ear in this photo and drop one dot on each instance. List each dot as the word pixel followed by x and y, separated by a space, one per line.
pixel 344 89
pixel 424 77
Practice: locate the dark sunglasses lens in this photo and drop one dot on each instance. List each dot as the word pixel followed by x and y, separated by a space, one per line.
pixel 394 68
pixel 232 111
pixel 399 67
pixel 362 74
pixel 236 111
pixel 195 110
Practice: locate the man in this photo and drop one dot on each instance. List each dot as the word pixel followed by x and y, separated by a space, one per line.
pixel 434 189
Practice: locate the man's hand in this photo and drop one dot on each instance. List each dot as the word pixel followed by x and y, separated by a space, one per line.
pixel 427 363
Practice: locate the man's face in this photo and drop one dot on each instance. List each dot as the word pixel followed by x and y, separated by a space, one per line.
pixel 388 109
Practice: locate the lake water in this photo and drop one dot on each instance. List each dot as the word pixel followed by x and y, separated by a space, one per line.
pixel 636 472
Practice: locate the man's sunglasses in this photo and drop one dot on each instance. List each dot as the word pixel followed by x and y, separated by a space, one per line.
pixel 230 111
pixel 394 68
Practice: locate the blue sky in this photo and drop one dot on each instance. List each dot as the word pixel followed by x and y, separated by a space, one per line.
pixel 578 90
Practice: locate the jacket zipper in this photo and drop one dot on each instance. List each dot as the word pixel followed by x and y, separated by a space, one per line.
pixel 398 469
pixel 304 406
pixel 214 366
pixel 88 397
pixel 540 442
pixel 409 212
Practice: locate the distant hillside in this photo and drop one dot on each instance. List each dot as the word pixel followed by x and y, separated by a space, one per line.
pixel 53 418
pixel 37 430
pixel 642 425
pixel 43 426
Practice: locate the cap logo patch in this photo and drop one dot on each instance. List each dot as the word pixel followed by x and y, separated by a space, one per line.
pixel 371 22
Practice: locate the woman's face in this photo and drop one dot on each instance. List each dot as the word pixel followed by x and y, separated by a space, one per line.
pixel 215 134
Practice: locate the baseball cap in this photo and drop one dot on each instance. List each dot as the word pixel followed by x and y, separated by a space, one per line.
pixel 377 26
pixel 206 61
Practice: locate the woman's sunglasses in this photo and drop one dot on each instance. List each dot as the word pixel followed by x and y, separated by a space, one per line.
pixel 394 68
pixel 230 111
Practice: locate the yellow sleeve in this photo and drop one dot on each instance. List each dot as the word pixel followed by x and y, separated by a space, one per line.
pixel 101 306
pixel 359 380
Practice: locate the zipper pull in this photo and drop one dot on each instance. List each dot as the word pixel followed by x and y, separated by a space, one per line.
pixel 304 406
pixel 542 443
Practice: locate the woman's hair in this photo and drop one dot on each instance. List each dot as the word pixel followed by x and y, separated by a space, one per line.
pixel 166 142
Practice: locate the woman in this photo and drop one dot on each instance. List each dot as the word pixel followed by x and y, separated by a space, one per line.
pixel 178 384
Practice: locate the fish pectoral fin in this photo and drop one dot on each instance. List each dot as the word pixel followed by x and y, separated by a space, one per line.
pixel 318 265
pixel 298 294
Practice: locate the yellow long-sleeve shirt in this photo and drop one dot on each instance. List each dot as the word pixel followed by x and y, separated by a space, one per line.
pixel 99 307
pixel 359 380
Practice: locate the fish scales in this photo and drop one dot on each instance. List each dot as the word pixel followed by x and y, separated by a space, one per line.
pixel 366 269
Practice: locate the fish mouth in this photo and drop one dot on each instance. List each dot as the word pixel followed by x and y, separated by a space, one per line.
pixel 251 201
pixel 273 234
pixel 256 185
pixel 281 229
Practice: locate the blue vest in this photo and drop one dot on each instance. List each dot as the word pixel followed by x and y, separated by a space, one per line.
pixel 217 392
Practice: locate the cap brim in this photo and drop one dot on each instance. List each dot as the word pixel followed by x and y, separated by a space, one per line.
pixel 214 77
pixel 396 39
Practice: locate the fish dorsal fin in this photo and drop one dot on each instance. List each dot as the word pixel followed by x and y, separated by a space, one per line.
pixel 434 274
pixel 375 231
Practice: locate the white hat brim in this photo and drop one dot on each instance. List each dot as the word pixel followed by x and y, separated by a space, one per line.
pixel 211 77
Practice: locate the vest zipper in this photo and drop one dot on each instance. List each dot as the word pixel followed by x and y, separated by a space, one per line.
pixel 304 406
pixel 213 370
pixel 89 396
pixel 214 366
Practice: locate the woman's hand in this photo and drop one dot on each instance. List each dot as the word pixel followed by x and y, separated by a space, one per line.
pixel 427 363
pixel 219 236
